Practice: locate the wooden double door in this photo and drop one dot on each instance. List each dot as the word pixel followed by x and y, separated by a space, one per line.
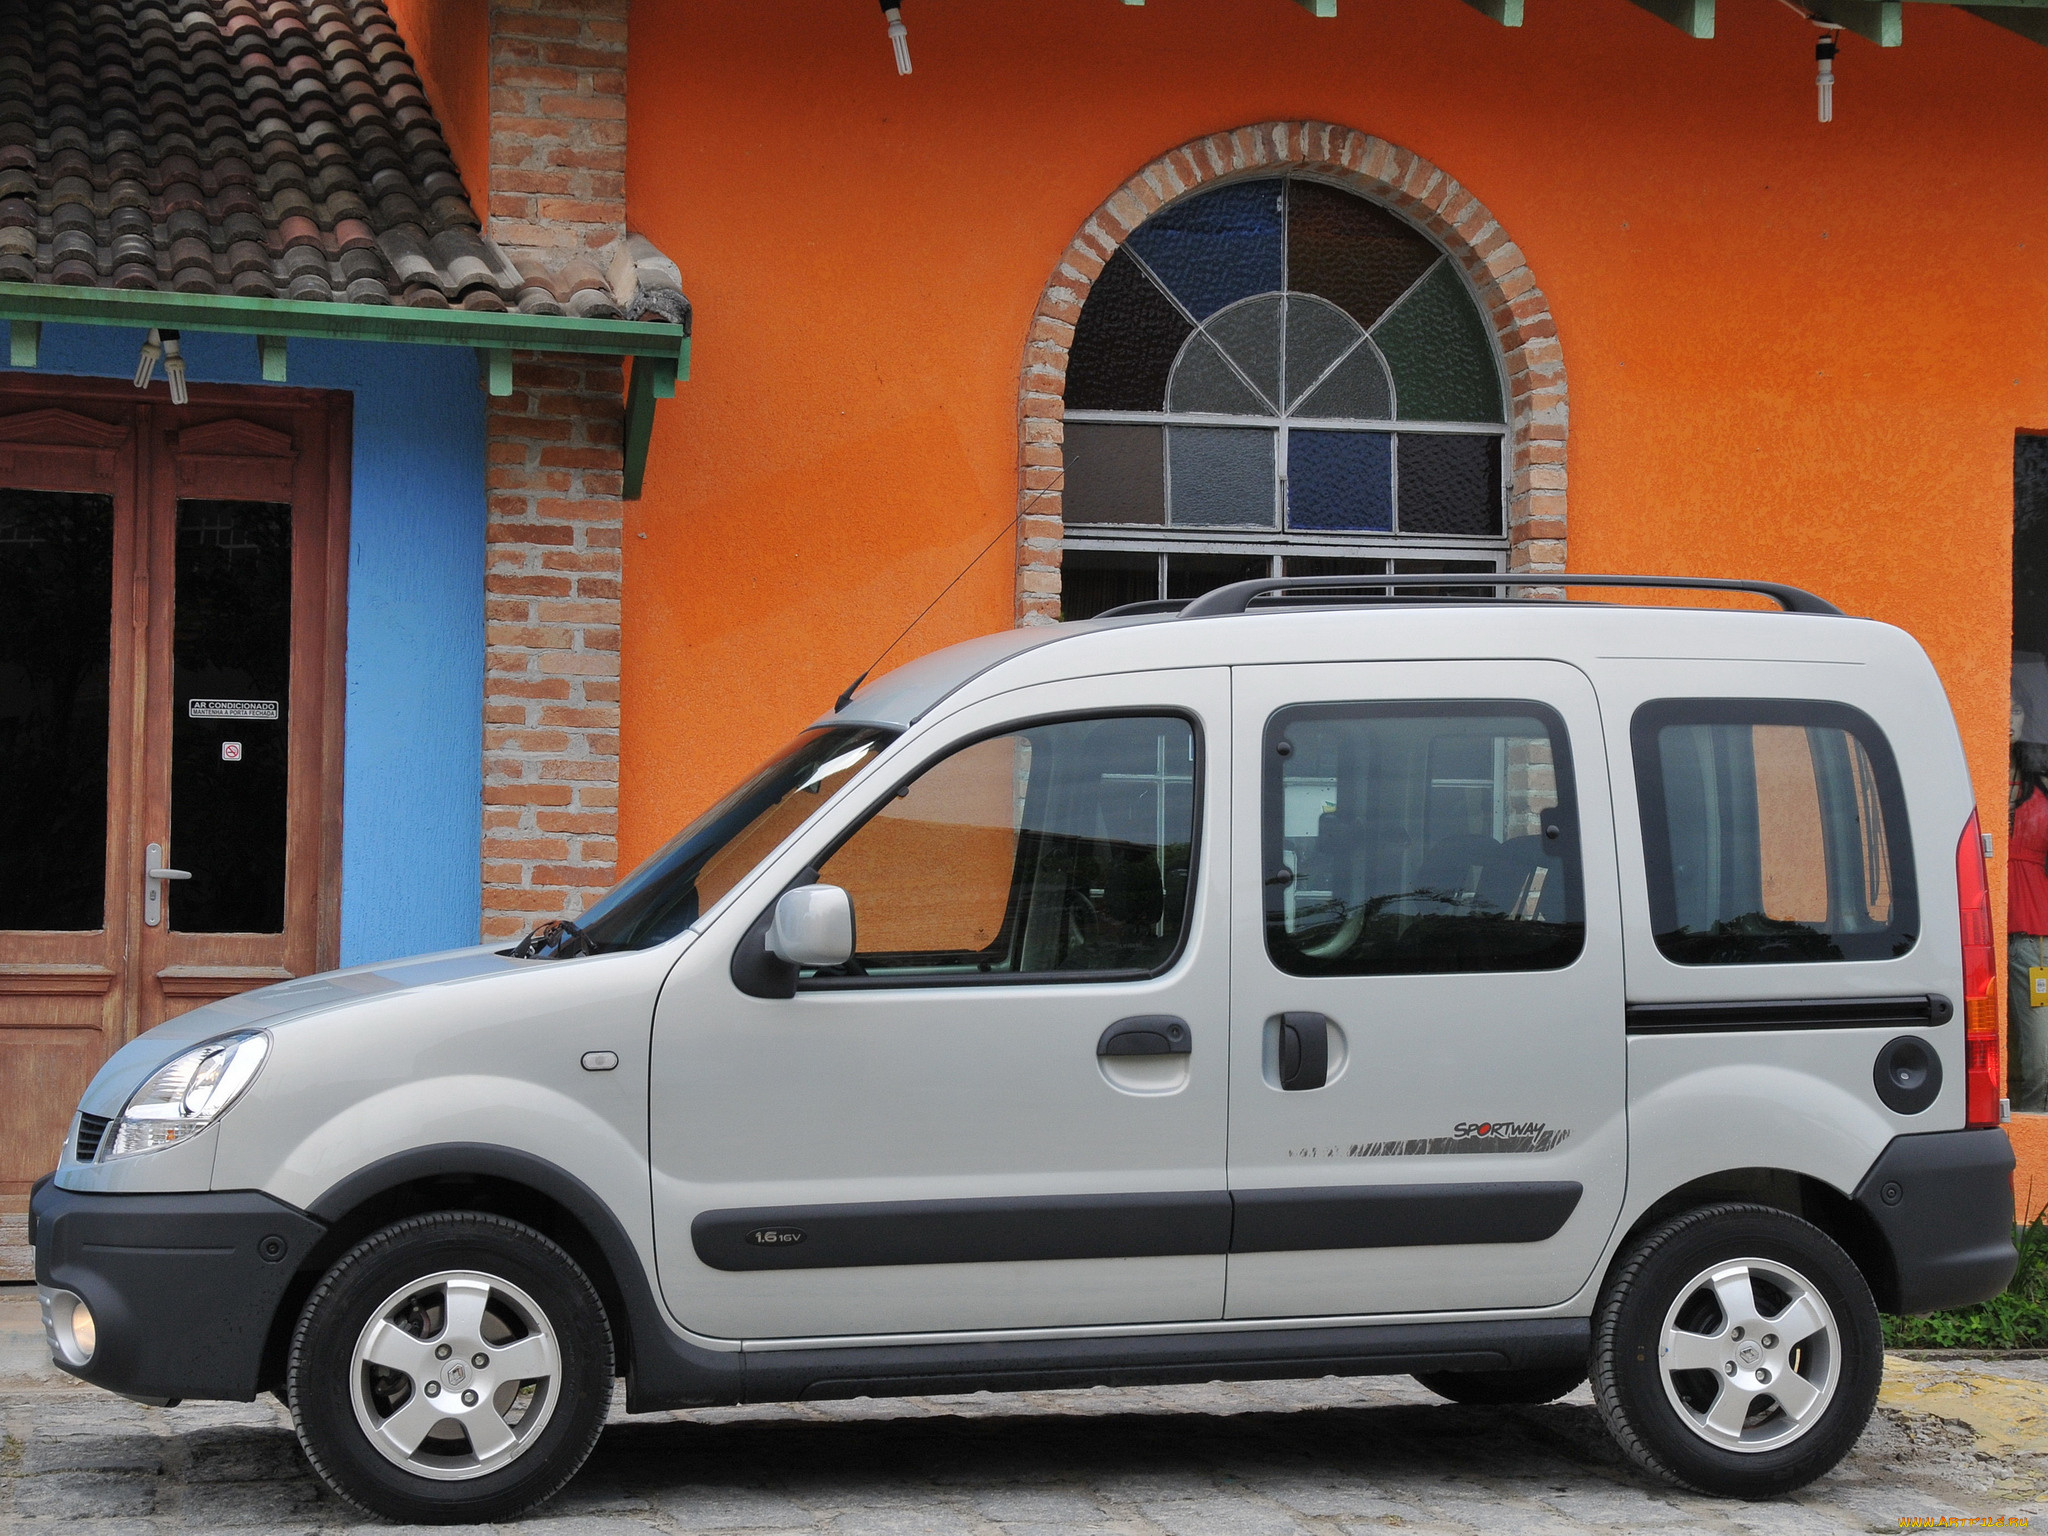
pixel 172 615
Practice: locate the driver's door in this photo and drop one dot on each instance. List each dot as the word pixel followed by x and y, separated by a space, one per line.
pixel 941 1139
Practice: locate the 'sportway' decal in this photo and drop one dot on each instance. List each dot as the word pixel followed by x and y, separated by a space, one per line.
pixel 1470 1137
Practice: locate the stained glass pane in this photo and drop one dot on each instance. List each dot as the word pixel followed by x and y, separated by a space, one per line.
pixel 1092 580
pixel 1440 353
pixel 56 596
pixel 1340 480
pixel 1450 484
pixel 1124 343
pixel 1203 381
pixel 1317 334
pixel 1357 389
pixel 1220 477
pixel 1353 253
pixel 1250 334
pixel 1192 575
pixel 1217 248
pixel 1115 473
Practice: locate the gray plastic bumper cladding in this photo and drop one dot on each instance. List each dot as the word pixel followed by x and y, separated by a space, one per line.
pixel 1944 1204
pixel 182 1287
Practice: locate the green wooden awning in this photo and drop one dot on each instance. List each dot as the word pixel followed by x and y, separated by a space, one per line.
pixel 660 354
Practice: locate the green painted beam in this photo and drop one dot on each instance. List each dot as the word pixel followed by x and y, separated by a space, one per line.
pixel 142 309
pixel 1877 20
pixel 270 357
pixel 24 343
pixel 653 378
pixel 1695 18
pixel 1507 12
pixel 2029 22
pixel 2005 5
pixel 1318 7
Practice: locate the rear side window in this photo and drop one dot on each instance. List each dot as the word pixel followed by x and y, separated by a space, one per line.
pixel 1420 837
pixel 1060 849
pixel 1774 831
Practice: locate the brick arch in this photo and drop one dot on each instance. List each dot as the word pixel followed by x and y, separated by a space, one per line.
pixel 1396 178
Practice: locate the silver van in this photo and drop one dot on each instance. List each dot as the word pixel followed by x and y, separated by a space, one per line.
pixel 1279 984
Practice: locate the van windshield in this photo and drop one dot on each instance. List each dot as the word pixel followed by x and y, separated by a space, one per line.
pixel 721 847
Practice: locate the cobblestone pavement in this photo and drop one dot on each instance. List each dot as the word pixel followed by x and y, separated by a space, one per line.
pixel 1327 1458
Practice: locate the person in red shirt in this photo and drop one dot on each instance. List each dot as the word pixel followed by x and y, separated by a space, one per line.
pixel 2026 942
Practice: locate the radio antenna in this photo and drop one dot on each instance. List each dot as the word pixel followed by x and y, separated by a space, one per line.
pixel 846 698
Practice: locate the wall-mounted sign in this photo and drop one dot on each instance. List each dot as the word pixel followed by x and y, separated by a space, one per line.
pixel 232 709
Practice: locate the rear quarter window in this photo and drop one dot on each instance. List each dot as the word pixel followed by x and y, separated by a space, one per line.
pixel 1774 831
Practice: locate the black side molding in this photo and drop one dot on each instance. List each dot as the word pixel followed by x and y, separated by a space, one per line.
pixel 1034 1365
pixel 1789 1013
pixel 1400 1216
pixel 963 1231
pixel 1943 1201
pixel 1130 1226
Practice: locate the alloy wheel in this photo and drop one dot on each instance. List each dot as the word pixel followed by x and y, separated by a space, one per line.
pixel 455 1375
pixel 1749 1355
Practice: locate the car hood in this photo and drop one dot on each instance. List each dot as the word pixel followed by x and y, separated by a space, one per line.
pixel 272 1007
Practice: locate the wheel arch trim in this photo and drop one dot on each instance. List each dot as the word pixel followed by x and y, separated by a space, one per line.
pixel 659 1366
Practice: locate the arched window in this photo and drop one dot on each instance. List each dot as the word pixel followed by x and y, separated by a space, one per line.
pixel 1277 377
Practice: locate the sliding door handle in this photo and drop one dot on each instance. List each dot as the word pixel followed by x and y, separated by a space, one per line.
pixel 1304 1051
pixel 1146 1034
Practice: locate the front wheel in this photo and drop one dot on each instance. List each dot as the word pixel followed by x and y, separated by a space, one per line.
pixel 453 1367
pixel 1737 1351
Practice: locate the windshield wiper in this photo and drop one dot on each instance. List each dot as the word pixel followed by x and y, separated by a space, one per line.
pixel 558 939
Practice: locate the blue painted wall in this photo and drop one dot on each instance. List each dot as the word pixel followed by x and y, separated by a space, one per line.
pixel 412 815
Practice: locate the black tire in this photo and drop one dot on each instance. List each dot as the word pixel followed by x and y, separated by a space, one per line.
pixel 1489 1389
pixel 1656 1276
pixel 322 1393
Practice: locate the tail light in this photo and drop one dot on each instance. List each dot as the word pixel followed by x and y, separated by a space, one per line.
pixel 1980 981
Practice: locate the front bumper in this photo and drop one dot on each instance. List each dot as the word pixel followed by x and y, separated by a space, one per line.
pixel 182 1288
pixel 1943 1201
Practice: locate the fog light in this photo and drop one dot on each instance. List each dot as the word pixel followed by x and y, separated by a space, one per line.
pixel 69 1327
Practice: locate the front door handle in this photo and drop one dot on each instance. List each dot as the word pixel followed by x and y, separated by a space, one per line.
pixel 1146 1034
pixel 154 875
pixel 1304 1051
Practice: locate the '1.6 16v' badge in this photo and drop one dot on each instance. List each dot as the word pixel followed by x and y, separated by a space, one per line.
pixel 775 1237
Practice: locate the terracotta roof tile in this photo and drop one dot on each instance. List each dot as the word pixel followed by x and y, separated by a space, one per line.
pixel 263 148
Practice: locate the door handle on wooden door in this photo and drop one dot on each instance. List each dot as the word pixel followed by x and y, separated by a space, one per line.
pixel 1304 1051
pixel 153 877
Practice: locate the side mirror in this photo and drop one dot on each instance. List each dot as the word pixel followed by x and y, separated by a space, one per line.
pixel 813 925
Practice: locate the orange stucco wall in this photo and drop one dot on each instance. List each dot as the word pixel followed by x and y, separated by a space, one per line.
pixel 1795 351
pixel 449 41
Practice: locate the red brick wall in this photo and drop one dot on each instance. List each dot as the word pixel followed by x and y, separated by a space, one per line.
pixel 558 126
pixel 551 691
pixel 551 675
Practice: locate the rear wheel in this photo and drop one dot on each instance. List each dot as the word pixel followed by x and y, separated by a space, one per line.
pixel 1544 1384
pixel 454 1367
pixel 1737 1351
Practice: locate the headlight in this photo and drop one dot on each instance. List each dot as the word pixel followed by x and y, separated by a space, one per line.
pixel 185 1095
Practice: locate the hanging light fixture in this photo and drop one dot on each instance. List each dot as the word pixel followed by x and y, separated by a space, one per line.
pixel 899 36
pixel 162 344
pixel 1824 58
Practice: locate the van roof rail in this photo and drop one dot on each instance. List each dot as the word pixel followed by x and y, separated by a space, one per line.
pixel 1238 596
